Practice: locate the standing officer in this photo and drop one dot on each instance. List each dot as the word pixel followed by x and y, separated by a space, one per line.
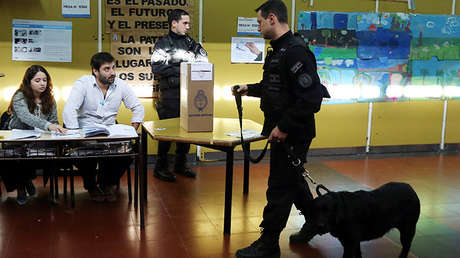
pixel 172 49
pixel 290 93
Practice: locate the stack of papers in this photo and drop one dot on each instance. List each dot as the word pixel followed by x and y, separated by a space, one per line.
pixel 24 134
pixel 116 130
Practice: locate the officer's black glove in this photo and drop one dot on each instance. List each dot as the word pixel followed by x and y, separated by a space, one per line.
pixel 235 90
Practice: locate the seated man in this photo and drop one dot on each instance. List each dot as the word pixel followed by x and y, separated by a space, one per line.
pixel 96 99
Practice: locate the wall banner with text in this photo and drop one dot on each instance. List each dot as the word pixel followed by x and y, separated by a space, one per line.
pixel 135 26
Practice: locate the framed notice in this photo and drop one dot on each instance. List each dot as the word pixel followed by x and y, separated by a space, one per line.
pixel 76 8
pixel 248 26
pixel 248 50
pixel 36 40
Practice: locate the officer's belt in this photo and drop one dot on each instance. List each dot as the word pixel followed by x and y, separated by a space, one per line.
pixel 164 84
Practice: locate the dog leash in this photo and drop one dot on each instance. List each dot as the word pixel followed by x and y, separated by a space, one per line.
pixel 239 106
pixel 297 164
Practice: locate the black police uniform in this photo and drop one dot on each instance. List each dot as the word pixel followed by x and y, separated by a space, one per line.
pixel 290 93
pixel 169 52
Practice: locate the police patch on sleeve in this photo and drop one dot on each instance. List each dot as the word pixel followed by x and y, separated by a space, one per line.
pixel 203 52
pixel 304 80
pixel 296 67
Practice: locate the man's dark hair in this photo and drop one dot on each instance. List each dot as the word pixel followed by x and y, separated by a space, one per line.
pixel 277 7
pixel 175 15
pixel 101 58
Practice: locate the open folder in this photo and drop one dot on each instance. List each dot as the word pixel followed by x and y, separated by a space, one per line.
pixel 116 130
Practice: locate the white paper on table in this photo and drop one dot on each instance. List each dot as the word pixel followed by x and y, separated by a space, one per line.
pixel 247 134
pixel 75 133
pixel 24 134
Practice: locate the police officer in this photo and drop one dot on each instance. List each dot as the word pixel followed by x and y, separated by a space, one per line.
pixel 290 93
pixel 169 52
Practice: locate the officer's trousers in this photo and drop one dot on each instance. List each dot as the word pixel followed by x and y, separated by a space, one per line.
pixel 170 108
pixel 181 151
pixel 286 186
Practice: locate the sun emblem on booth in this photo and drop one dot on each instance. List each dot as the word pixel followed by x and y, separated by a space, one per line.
pixel 200 100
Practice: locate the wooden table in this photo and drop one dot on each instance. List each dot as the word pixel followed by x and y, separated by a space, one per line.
pixel 170 130
pixel 56 149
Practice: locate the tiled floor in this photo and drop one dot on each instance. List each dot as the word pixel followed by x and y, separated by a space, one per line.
pixel 185 218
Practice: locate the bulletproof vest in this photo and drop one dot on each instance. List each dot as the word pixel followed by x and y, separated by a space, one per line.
pixel 179 51
pixel 175 47
pixel 275 94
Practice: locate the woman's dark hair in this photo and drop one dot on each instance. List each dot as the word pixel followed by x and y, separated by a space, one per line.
pixel 175 15
pixel 277 7
pixel 46 97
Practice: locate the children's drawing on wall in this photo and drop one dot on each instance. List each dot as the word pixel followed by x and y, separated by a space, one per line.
pixel 435 50
pixel 435 72
pixel 435 35
pixel 384 56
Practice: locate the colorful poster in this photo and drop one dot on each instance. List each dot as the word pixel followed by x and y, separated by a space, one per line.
pixel 384 56
pixel 435 36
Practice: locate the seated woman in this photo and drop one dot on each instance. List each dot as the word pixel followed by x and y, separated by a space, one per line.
pixel 32 105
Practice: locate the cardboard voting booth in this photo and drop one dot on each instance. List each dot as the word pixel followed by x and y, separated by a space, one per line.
pixel 197 96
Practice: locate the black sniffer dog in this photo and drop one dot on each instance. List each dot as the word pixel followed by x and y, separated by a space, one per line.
pixel 358 216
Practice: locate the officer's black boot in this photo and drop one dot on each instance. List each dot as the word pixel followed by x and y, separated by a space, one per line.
pixel 267 246
pixel 180 166
pixel 161 170
pixel 306 233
